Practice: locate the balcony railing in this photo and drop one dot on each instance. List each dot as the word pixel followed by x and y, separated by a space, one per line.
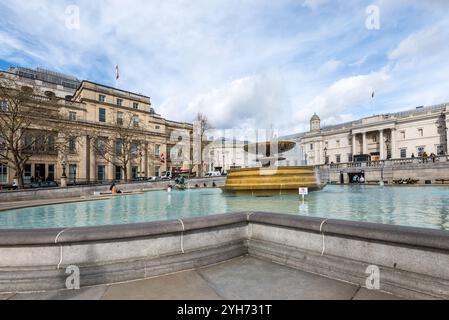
pixel 429 161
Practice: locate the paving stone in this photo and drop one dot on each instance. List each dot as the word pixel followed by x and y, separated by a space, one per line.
pixel 249 278
pixel 180 286
pixel 365 294
pixel 6 296
pixel 92 293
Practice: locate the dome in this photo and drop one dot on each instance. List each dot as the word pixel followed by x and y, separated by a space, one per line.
pixel 315 117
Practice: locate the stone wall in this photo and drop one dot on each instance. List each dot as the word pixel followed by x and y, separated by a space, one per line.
pixel 78 191
pixel 412 262
pixel 424 172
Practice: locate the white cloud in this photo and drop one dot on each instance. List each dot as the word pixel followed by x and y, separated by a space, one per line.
pixel 344 95
pixel 423 43
pixel 313 4
pixel 256 101
pixel 331 66
pixel 243 63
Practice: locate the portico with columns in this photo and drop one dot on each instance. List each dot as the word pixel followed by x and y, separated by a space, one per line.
pixel 404 134
pixel 375 142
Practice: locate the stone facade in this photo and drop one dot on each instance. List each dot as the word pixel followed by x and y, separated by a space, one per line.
pixel 95 107
pixel 390 136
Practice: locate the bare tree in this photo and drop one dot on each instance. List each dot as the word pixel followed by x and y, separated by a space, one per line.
pixel 28 125
pixel 124 142
pixel 202 124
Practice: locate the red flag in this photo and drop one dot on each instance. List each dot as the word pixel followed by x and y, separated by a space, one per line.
pixel 162 159
pixel 118 75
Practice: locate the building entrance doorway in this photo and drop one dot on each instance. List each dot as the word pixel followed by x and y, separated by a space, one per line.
pixel 39 172
pixel 357 177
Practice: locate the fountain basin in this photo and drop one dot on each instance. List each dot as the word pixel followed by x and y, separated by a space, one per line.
pixel 271 180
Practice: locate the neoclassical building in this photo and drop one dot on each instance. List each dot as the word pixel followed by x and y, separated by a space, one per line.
pixel 389 136
pixel 91 107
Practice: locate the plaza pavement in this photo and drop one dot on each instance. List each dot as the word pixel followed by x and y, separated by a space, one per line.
pixel 244 278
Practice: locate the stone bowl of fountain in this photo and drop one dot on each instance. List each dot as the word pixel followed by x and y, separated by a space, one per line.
pixel 269 179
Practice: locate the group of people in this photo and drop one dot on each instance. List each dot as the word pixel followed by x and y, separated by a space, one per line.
pixel 425 157
pixel 40 179
pixel 358 179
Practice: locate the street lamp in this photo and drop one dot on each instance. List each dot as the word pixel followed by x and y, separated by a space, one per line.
pixel 64 174
pixel 325 155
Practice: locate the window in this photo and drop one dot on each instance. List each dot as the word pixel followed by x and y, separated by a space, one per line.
pixel 157 150
pixel 72 171
pixel 72 116
pixel 101 146
pixel 403 153
pixel 420 151
pixel 158 127
pixel 51 143
pixel 169 153
pixel 120 118
pixel 311 146
pixel 101 173
pixel 135 105
pixel 374 138
pixel 3 173
pixel 120 102
pixel 338 158
pixel 135 172
pixel 134 150
pixel 72 144
pixel 157 171
pixel 338 143
pixel 136 121
pixel 102 98
pixel 349 157
pixel 118 173
pixel 27 174
pixel 102 115
pixel 3 105
pixel 118 148
pixel 51 172
pixel 440 150
pixel 420 132
pixel 403 135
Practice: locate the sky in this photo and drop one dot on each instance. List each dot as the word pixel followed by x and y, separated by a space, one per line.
pixel 243 63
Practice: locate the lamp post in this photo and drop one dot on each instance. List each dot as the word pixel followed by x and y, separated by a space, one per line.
pixel 64 174
pixel 325 155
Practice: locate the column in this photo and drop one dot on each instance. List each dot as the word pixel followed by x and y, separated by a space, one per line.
pixel 393 144
pixel 128 169
pixel 321 153
pixel 146 161
pixel 381 144
pixel 84 159
pixel 365 146
pixel 110 164
pixel 354 141
pixel 93 163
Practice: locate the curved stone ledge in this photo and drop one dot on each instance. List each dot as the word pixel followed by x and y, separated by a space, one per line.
pixel 114 232
pixel 412 236
pixel 36 259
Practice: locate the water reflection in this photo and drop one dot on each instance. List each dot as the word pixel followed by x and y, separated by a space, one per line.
pixel 412 206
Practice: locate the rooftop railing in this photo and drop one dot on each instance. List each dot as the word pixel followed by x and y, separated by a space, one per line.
pixel 425 161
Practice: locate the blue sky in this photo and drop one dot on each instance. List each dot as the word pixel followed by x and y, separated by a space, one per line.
pixel 244 63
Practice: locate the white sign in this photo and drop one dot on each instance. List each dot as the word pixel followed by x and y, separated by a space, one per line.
pixel 303 191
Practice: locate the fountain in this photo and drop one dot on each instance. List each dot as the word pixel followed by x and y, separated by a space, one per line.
pixel 269 179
